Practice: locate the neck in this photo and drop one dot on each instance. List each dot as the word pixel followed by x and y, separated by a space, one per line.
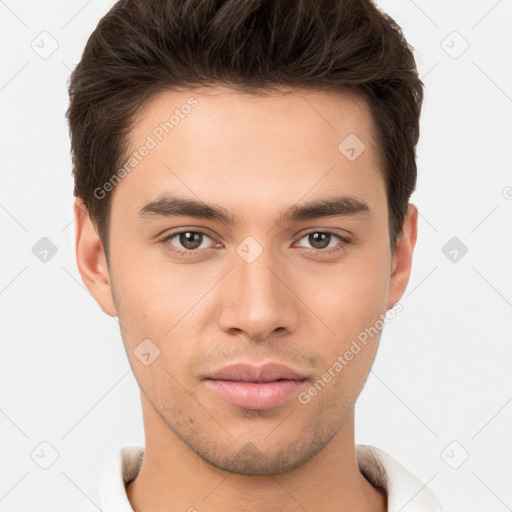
pixel 174 478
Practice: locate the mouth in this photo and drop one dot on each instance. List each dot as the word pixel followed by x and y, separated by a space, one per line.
pixel 253 387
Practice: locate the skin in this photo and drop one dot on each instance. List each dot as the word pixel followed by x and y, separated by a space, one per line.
pixel 255 157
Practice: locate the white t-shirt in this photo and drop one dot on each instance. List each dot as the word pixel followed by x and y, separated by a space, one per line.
pixel 405 492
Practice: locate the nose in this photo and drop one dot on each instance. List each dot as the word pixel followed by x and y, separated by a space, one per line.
pixel 259 301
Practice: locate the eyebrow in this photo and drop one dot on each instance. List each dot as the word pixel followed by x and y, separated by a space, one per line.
pixel 175 206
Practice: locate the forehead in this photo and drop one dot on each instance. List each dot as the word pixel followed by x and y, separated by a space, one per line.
pixel 218 142
pixel 223 108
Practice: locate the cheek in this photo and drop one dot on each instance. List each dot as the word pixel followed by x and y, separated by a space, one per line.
pixel 152 295
pixel 351 300
pixel 348 298
pixel 165 304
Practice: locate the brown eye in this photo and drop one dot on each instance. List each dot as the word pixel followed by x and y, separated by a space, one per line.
pixel 190 239
pixel 322 240
pixel 319 240
pixel 187 241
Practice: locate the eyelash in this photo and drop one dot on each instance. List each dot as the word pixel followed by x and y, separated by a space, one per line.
pixel 192 253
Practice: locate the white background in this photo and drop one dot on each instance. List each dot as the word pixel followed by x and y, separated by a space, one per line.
pixel 443 369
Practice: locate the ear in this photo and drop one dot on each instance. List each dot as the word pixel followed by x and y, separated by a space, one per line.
pixel 91 259
pixel 402 260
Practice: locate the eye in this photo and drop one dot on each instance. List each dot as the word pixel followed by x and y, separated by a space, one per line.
pixel 321 241
pixel 187 241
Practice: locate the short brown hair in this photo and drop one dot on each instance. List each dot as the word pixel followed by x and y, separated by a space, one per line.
pixel 142 47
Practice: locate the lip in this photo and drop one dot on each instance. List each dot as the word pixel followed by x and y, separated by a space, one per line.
pixel 256 387
pixel 244 372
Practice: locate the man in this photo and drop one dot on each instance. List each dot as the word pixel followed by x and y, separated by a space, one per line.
pixel 243 172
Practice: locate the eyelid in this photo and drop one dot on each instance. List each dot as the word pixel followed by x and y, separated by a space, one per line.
pixel 333 231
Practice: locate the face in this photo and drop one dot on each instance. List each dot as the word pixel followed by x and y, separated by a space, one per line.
pixel 251 232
